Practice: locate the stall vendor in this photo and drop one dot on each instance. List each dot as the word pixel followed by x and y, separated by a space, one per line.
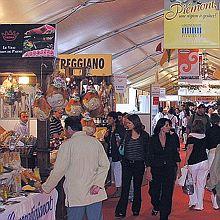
pixel 21 128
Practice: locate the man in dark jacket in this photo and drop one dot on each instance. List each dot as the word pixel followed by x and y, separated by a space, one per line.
pixel 114 137
pixel 199 115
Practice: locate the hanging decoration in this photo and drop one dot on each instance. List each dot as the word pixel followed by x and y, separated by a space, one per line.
pixel 56 93
pixel 91 99
pixel 166 57
pixel 104 94
pixel 41 108
pixel 88 124
pixel 10 90
pixel 74 107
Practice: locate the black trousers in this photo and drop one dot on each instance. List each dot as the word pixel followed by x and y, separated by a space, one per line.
pixel 131 169
pixel 161 189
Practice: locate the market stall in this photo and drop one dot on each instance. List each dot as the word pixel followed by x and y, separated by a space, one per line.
pixel 30 206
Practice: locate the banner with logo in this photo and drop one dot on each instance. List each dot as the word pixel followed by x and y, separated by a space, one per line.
pixel 100 64
pixel 188 64
pixel 36 206
pixel 191 24
pixel 120 83
pixel 162 92
pixel 154 104
pixel 27 40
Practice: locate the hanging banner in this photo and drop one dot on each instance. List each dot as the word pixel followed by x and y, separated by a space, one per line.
pixel 27 40
pixel 100 64
pixel 120 83
pixel 154 104
pixel 188 64
pixel 162 92
pixel 191 24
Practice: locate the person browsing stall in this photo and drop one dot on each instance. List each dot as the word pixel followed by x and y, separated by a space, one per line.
pixel 83 162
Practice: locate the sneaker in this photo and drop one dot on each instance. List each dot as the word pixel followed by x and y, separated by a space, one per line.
pixel 119 215
pixel 154 212
pixel 130 199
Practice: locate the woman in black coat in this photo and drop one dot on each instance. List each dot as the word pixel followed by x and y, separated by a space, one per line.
pixel 164 163
pixel 133 165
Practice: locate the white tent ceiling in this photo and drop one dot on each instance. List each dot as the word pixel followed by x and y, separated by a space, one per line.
pixel 130 30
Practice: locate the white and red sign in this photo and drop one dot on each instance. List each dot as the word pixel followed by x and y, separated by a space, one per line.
pixel 188 64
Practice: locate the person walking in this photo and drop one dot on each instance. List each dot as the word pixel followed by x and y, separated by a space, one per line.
pixel 133 165
pixel 199 115
pixel 213 139
pixel 157 116
pixel 83 162
pixel 164 166
pixel 113 137
pixel 197 162
pixel 213 182
pixel 171 115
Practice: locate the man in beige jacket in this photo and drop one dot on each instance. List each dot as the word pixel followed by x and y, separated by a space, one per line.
pixel 83 162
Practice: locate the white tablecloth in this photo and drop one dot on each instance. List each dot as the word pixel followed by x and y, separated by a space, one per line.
pixel 34 206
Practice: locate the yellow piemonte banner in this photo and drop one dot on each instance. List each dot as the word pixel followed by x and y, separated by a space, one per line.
pixel 193 24
pixel 100 64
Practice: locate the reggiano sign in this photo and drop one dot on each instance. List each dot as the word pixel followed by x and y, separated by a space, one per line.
pixel 100 64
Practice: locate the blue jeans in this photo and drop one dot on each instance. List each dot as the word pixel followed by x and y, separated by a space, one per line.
pixel 92 211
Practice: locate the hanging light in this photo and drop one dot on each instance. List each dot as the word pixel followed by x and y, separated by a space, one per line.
pixel 23 80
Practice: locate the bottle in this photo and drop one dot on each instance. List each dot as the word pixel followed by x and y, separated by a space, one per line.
pixel 37 173
pixel 17 182
pixel 118 139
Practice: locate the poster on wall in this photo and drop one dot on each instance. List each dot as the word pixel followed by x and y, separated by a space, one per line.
pixel 100 64
pixel 191 24
pixel 188 64
pixel 27 40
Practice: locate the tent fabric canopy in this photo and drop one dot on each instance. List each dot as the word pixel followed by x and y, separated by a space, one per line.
pixel 130 30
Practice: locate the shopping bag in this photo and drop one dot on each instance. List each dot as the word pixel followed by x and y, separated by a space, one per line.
pixel 181 181
pixel 121 150
pixel 188 187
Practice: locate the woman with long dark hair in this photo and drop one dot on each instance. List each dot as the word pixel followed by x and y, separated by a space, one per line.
pixel 133 164
pixel 164 163
pixel 197 161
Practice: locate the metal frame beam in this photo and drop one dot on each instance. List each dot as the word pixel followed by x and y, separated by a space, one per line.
pixel 97 40
pixel 137 46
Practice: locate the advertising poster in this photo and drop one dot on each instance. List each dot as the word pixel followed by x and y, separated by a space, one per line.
pixel 120 83
pixel 100 64
pixel 27 40
pixel 188 64
pixel 191 24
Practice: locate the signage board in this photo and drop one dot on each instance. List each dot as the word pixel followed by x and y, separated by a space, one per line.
pixel 27 40
pixel 188 64
pixel 100 64
pixel 120 83
pixel 191 24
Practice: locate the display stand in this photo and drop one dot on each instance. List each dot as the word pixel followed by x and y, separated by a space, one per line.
pixel 42 68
